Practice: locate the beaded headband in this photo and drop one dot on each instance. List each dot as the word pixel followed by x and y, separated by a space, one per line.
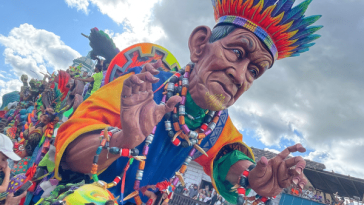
pixel 283 29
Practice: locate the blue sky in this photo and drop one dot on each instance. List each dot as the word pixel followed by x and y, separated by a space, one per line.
pixel 313 99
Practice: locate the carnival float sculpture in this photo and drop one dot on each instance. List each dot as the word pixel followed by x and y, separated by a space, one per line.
pixel 151 117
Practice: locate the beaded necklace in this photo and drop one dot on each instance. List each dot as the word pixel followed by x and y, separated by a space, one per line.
pixel 176 85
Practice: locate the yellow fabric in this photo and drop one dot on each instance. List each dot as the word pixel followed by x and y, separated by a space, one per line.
pixel 100 110
pixel 229 135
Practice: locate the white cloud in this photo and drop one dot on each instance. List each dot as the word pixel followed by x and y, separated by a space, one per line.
pixel 2 76
pixel 29 50
pixel 136 18
pixel 78 4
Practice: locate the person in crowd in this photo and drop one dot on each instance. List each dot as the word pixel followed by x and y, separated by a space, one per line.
pixel 213 198
pixel 328 201
pixel 351 202
pixel 193 191
pixel 308 193
pixel 96 78
pixel 219 201
pixel 317 196
pixel 207 190
pixel 6 152
pixel 200 196
pixel 295 190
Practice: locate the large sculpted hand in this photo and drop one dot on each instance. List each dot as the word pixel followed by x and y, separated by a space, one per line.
pixel 139 112
pixel 268 178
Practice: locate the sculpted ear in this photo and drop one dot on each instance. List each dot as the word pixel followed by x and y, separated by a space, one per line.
pixel 199 38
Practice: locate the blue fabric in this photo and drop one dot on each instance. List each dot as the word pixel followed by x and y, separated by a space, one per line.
pixel 163 159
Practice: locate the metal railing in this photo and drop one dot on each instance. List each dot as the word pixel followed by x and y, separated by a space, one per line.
pixel 179 199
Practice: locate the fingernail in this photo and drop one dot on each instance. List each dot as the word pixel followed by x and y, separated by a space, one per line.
pixel 301 185
pixel 295 181
pixel 299 170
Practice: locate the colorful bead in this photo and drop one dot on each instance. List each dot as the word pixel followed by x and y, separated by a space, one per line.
pixel 176 126
pixel 241 190
pixel 207 132
pixel 103 142
pixel 99 149
pixel 117 180
pixel 192 152
pixel 188 68
pixel 183 169
pixel 184 91
pixel 183 101
pixel 182 110
pixel 149 139
pixel 193 134
pixel 185 82
pixel 125 152
pixel 212 126
pixel 164 98
pixel 186 75
pixel 171 134
pixel 170 87
pixel 187 160
pixel 141 165
pixel 178 75
pixel 114 150
pixel 201 136
pixel 193 141
pixel 176 142
pixel 95 178
pixel 215 119
pixel 134 152
pixel 245 173
pixel 175 181
pixel 182 120
pixel 168 125
pixel 203 127
pixel 145 150
pixel 185 128
pixel 94 169
pixel 96 159
pixel 154 129
pixel 211 113
pixel 139 174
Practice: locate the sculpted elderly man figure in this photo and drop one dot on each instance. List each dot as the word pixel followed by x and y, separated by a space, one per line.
pixel 224 64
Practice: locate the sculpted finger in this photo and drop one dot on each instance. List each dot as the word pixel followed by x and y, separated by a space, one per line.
pixel 168 107
pixel 135 89
pixel 299 162
pixel 152 68
pixel 149 79
pixel 129 84
pixel 297 147
pixel 261 168
pixel 302 183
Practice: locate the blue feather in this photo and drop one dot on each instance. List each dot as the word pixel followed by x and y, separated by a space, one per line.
pixel 268 3
pixel 278 7
pixel 296 12
pixel 308 31
pixel 295 55
pixel 255 2
pixel 308 39
pixel 300 24
pixel 282 6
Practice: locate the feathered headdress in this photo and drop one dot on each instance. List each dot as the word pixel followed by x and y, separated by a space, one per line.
pixel 283 29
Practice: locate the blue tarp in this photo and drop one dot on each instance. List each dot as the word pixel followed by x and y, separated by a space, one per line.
pixel 287 199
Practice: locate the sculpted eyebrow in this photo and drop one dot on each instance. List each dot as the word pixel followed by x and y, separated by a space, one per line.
pixel 248 42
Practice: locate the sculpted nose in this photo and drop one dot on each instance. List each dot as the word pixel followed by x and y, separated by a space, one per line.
pixel 238 74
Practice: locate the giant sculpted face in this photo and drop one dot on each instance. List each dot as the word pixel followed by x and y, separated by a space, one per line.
pixel 226 68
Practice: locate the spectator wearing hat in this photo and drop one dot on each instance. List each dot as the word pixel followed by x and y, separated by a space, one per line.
pixel 6 152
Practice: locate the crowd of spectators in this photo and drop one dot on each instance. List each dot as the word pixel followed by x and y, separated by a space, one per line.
pixel 317 196
pixel 204 194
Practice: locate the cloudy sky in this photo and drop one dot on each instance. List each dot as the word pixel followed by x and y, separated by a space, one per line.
pixel 315 99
